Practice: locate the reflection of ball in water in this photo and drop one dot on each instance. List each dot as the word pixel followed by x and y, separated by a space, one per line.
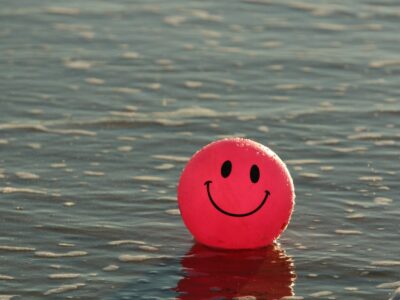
pixel 265 273
pixel 235 194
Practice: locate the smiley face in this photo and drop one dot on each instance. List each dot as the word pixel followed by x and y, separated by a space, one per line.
pixel 226 170
pixel 236 194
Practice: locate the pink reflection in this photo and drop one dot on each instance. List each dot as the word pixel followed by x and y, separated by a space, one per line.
pixel 266 273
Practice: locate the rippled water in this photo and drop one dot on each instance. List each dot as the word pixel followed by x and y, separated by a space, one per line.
pixel 103 102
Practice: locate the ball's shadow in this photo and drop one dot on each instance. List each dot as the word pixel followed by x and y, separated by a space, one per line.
pixel 266 273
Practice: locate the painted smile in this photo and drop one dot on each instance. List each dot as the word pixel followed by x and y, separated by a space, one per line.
pixel 208 183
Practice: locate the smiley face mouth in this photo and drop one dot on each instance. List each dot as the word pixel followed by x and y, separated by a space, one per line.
pixel 208 183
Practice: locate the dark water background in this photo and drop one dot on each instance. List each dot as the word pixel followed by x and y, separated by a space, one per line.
pixel 102 103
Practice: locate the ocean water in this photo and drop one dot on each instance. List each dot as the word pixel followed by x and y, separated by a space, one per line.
pixel 103 102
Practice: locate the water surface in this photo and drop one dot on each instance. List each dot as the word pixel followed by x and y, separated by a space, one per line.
pixel 102 103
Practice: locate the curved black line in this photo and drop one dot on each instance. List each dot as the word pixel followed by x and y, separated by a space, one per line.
pixel 208 182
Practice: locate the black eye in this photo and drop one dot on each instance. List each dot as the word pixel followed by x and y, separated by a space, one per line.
pixel 226 168
pixel 254 173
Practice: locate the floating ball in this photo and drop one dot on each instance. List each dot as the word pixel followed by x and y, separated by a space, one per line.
pixel 236 194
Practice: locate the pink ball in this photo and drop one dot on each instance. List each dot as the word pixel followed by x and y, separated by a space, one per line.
pixel 236 194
